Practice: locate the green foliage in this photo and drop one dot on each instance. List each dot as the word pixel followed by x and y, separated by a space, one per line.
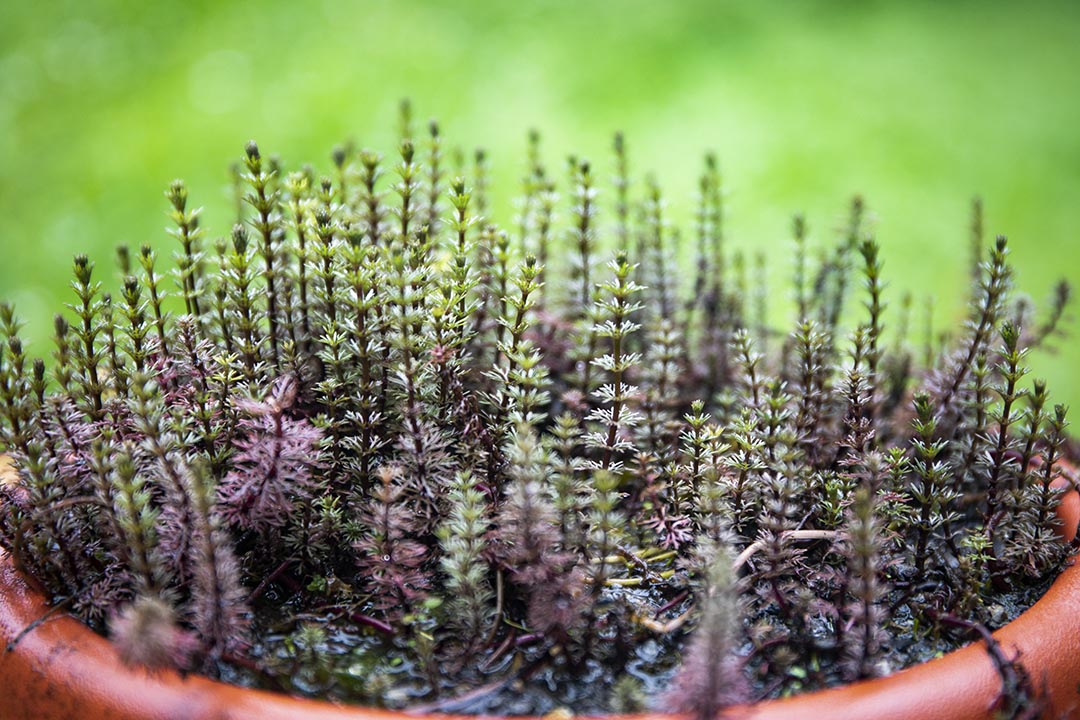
pixel 462 539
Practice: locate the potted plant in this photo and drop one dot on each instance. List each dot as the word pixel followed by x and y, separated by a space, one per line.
pixel 373 449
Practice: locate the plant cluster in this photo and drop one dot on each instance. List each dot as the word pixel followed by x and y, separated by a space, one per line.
pixel 482 454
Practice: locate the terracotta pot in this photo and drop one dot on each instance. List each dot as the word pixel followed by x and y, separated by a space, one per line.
pixel 62 670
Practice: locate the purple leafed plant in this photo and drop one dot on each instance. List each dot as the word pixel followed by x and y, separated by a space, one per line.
pixel 274 464
pixel 368 444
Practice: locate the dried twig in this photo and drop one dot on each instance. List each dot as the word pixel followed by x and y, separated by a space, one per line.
pixel 793 535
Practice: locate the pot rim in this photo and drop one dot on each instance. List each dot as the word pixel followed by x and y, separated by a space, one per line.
pixel 64 668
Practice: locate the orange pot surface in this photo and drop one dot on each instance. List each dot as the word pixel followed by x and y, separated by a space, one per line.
pixel 61 670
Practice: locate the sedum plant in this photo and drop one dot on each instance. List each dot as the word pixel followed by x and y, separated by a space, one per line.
pixel 371 445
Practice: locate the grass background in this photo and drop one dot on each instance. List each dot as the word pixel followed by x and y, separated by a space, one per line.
pixel 917 105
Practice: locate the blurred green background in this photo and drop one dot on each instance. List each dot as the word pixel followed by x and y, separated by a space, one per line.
pixel 916 105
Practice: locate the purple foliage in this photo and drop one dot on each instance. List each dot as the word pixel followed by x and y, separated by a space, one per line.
pixel 183 374
pixel 146 634
pixel 175 524
pixel 105 592
pixel 706 683
pixel 558 603
pixel 68 435
pixel 274 463
pixel 218 602
pixel 218 608
pixel 553 582
pixel 711 676
pixel 388 557
pixel 674 531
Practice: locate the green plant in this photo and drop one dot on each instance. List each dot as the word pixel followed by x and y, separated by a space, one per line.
pixel 484 457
